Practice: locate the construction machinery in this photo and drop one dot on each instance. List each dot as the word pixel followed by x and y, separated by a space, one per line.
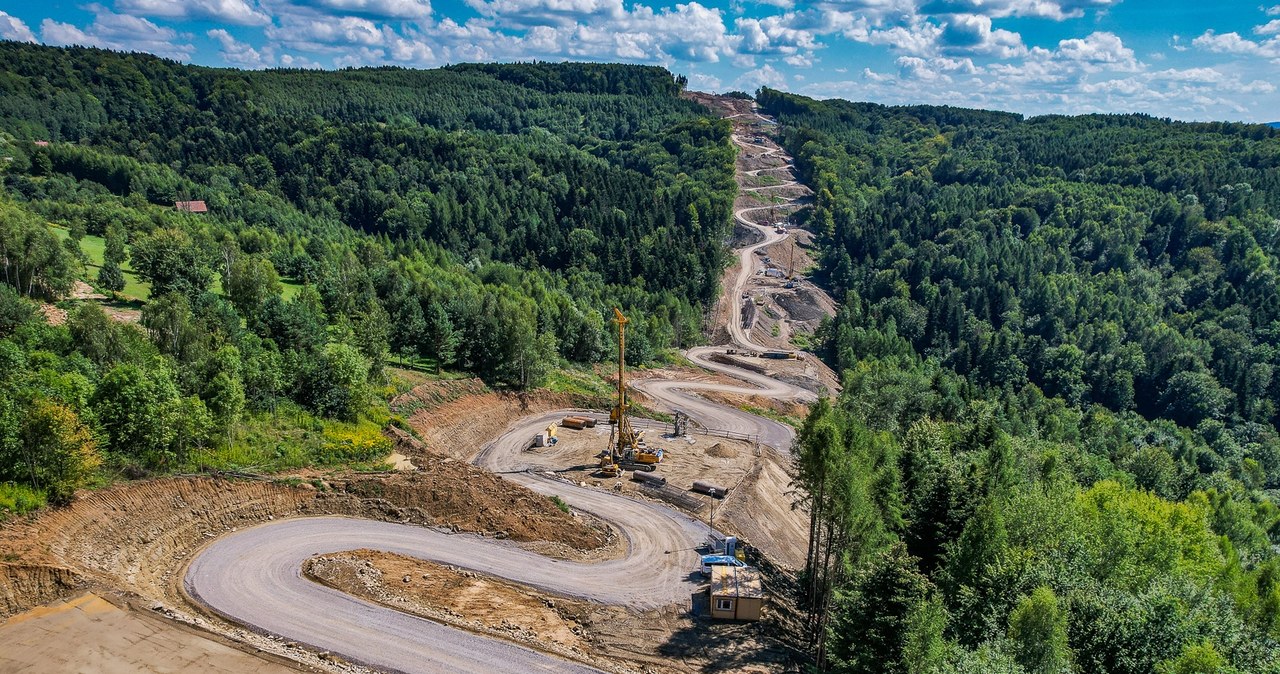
pixel 626 446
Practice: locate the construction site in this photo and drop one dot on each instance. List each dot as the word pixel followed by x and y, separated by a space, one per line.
pixel 516 533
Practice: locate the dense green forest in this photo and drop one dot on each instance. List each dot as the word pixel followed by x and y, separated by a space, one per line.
pixel 480 219
pixel 1056 446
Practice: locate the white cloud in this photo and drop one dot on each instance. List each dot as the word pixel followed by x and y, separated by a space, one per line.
pixel 764 76
pixel 13 28
pixel 239 12
pixel 874 76
pixel 1272 27
pixel 973 34
pixel 121 32
pixel 775 34
pixel 1272 11
pixel 704 82
pixel 603 29
pixel 237 53
pixel 386 9
pixel 526 13
pixel 317 33
pixel 1099 48
pixel 1045 9
pixel 1232 43
pixel 920 37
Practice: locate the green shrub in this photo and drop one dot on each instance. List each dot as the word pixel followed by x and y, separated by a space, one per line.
pixel 16 499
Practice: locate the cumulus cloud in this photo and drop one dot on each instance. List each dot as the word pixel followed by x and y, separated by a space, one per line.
pixel 764 76
pixel 1272 27
pixel 775 34
pixel 703 81
pixel 973 34
pixel 920 37
pixel 1045 9
pixel 1233 43
pixel 527 13
pixel 1099 48
pixel 121 32
pixel 12 28
pixel 238 12
pixel 934 69
pixel 384 9
pixel 314 33
pixel 237 53
pixel 603 29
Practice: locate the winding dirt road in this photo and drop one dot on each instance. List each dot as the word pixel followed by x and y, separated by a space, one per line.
pixel 253 577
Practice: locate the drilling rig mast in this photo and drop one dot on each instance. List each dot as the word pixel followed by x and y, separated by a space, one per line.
pixel 625 445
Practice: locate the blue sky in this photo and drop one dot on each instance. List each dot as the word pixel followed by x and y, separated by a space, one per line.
pixel 1185 59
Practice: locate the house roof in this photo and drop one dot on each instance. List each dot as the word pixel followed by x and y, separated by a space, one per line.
pixel 191 206
pixel 735 581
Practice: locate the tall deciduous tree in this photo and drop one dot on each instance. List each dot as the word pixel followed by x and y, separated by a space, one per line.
pixel 111 274
pixel 1038 630
pixel 174 261
pixel 59 447
pixel 249 282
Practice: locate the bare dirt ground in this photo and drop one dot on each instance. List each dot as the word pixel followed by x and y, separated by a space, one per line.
pixel 111 638
pixel 761 509
pixel 687 458
pixel 614 639
pixel 721 105
pixel 83 292
pixel 458 597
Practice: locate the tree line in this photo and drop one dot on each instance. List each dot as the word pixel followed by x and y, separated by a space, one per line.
pixel 1055 449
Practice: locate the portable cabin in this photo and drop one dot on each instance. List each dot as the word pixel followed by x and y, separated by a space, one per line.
pixel 737 592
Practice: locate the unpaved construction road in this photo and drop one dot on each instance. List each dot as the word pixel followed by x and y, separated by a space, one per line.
pixel 254 577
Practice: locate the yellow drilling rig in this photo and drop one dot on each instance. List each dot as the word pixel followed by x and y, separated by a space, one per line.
pixel 626 446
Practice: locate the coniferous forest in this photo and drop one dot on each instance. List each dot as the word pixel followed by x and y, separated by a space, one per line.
pixel 1056 446
pixel 478 219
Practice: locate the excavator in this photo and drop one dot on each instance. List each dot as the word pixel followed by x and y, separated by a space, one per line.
pixel 626 446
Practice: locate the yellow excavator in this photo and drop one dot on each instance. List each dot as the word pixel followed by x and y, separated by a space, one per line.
pixel 626 446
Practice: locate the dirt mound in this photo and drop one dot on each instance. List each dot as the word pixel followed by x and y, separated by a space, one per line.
pixel 25 586
pixel 461 496
pixel 458 597
pixel 719 451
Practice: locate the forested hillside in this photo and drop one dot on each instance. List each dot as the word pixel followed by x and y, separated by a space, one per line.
pixel 1056 449
pixel 480 219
